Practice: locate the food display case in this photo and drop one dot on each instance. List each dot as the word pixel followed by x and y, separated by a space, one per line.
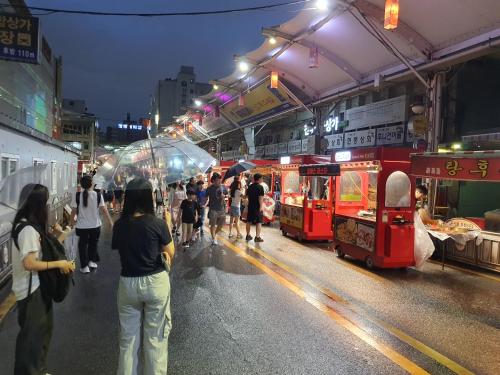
pixel 472 203
pixel 374 206
pixel 306 197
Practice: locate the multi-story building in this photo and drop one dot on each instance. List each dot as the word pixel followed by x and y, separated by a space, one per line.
pixel 79 129
pixel 172 96
pixel 125 132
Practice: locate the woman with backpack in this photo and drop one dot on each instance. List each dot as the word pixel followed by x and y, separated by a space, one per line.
pixel 146 253
pixel 86 206
pixel 35 310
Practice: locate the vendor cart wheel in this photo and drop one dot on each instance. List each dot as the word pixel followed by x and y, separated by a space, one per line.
pixel 283 232
pixel 369 262
pixel 340 253
pixel 300 237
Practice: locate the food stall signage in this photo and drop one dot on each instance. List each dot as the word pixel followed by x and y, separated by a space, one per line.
pixel 335 141
pixel 285 160
pixel 343 156
pixel 359 138
pixel 320 170
pixel 453 168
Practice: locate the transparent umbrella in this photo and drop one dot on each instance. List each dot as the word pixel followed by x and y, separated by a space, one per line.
pixel 165 159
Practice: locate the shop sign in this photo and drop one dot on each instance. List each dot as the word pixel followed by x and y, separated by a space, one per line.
pixel 457 168
pixel 19 39
pixel 305 143
pixel 390 135
pixel 320 170
pixel 379 113
pixel 282 148
pixel 331 123
pixel 335 141
pixel 292 215
pixel 351 231
pixel 272 149
pixel 259 150
pixel 360 138
pixel 295 147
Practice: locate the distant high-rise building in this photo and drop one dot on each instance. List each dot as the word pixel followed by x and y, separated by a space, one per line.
pixel 126 132
pixel 172 96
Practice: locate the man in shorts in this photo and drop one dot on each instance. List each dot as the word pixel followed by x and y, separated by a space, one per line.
pixel 255 195
pixel 216 206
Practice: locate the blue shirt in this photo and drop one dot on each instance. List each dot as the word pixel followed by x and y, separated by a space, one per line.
pixel 202 197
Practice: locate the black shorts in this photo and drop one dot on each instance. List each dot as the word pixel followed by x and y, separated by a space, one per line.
pixel 254 217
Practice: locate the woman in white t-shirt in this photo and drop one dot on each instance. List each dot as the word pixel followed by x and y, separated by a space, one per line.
pixel 86 205
pixel 178 196
pixel 35 311
pixel 235 208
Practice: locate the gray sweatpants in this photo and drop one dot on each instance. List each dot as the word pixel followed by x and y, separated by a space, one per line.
pixel 144 307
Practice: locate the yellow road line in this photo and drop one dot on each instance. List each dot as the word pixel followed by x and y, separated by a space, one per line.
pixel 7 306
pixel 465 270
pixel 416 344
pixel 383 348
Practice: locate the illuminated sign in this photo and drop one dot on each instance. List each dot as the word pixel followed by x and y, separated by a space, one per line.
pixel 285 160
pixel 331 123
pixel 343 156
pixel 320 170
pixel 19 38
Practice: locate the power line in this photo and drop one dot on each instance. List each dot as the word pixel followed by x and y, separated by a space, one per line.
pixel 166 14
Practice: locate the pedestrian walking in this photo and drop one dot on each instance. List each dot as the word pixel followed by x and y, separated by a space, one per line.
pixel 86 205
pixel 191 185
pixel 216 206
pixel 201 195
pixel 35 315
pixel 146 252
pixel 179 194
pixel 235 194
pixel 159 200
pixel 118 193
pixel 255 194
pixel 188 212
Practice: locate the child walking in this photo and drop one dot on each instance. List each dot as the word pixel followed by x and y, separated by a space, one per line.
pixel 188 215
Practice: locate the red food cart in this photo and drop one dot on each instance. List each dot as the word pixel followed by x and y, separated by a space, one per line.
pixel 468 185
pixel 306 197
pixel 374 206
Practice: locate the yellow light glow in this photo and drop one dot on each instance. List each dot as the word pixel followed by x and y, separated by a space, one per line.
pixel 272 40
pixel 391 14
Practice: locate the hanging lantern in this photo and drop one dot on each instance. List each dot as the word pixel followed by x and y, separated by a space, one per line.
pixel 313 57
pixel 274 80
pixel 241 100
pixel 391 14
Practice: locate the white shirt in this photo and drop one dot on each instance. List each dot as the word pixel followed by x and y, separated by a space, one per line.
pixel 236 200
pixel 88 217
pixel 178 196
pixel 29 242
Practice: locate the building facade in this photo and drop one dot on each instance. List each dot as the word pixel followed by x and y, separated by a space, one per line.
pixel 125 132
pixel 172 96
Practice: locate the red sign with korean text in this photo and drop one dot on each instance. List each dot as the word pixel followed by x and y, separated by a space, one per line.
pixel 476 168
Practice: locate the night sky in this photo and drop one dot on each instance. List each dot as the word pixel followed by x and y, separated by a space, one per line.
pixel 114 62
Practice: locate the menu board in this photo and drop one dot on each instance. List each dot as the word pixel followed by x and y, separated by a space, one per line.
pixel 292 215
pixel 351 231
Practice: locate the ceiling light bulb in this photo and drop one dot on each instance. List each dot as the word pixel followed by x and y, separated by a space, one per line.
pixel 216 87
pixel 322 4
pixel 272 40
pixel 197 102
pixel 243 66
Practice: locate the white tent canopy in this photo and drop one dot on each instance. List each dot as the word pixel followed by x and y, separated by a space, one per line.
pixel 355 50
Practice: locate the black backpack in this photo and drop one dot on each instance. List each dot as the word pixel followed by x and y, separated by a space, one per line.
pixel 78 194
pixel 53 284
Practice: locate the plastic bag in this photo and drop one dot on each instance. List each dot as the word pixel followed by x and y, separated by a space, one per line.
pixel 423 247
pixel 71 246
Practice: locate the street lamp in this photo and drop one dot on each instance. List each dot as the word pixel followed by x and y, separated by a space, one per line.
pixel 322 5
pixel 243 66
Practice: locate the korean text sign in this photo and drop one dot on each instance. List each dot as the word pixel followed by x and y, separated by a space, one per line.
pixel 19 39
pixel 481 168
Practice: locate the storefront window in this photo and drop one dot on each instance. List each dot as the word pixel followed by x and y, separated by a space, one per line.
pixel 398 190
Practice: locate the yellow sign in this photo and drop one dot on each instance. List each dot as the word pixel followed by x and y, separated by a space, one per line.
pixel 260 102
pixel 292 215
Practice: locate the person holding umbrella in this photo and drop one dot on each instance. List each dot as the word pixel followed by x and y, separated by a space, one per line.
pixel 216 209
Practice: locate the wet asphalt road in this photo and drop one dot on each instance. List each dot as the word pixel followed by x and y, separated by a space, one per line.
pixel 232 316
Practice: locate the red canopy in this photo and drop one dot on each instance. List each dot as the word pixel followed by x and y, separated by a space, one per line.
pixel 465 166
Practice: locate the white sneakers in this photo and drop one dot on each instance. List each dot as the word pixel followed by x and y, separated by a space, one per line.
pixel 214 242
pixel 92 264
pixel 85 270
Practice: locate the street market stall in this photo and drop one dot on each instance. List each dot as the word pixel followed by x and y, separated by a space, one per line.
pixel 306 196
pixel 374 206
pixel 467 193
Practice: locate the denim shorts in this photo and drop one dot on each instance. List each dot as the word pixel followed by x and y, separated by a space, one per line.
pixel 234 211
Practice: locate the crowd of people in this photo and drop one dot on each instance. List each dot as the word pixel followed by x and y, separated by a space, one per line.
pixel 144 237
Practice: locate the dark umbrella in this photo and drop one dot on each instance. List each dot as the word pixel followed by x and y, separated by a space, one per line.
pixel 238 168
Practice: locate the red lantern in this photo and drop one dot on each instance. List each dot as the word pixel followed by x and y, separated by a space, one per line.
pixel 241 100
pixel 274 80
pixel 391 14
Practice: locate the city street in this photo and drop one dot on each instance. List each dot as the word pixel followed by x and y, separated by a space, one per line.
pixel 286 308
